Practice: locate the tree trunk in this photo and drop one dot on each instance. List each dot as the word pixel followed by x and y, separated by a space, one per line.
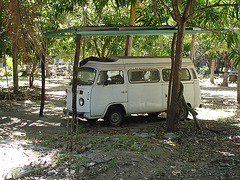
pixel 174 109
pixel 5 62
pixel 192 52
pixel 238 85
pixel 238 78
pixel 129 40
pixel 85 40
pixel 171 75
pixel 84 48
pixel 225 76
pixel 31 78
pixel 107 42
pixel 128 49
pixel 75 71
pixel 43 76
pixel 15 68
pixel 47 67
pixel 96 46
pixel 212 71
pixel 217 62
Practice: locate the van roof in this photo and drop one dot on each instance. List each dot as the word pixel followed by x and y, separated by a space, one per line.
pixel 134 61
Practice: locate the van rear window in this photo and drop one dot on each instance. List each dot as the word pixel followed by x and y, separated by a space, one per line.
pixel 185 75
pixel 143 76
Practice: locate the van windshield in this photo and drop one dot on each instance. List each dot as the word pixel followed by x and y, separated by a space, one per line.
pixel 86 76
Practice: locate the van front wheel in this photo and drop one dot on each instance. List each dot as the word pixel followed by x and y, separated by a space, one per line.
pixel 114 116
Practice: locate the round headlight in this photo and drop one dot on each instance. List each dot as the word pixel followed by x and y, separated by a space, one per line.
pixel 81 101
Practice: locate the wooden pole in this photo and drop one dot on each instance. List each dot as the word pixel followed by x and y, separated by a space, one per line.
pixel 75 72
pixel 43 76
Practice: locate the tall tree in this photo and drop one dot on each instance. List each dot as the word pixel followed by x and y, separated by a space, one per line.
pixel 181 17
pixel 24 36
pixel 197 12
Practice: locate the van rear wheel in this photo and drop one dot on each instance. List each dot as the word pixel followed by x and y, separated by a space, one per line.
pixel 114 116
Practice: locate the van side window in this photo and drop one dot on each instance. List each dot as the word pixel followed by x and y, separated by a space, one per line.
pixel 185 75
pixel 110 77
pixel 143 76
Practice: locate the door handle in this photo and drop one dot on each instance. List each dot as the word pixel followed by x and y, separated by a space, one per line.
pixel 123 92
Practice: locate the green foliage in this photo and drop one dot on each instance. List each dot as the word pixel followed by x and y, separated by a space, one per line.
pixel 151 15
pixel 211 15
pixel 9 62
pixel 157 153
pixel 82 129
pixel 74 161
pixel 203 70
pixel 131 142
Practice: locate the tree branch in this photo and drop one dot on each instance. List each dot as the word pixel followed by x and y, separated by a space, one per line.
pixel 187 10
pixel 213 6
pixel 96 46
pixel 178 17
pixel 169 9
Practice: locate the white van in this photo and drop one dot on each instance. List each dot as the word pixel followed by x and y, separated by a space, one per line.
pixel 121 86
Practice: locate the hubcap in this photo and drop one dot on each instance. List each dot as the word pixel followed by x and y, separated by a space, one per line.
pixel 115 117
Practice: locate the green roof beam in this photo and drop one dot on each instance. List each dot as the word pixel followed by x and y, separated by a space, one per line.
pixel 118 31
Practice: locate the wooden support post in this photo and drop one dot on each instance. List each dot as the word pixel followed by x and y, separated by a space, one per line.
pixel 192 52
pixel 43 75
pixel 75 72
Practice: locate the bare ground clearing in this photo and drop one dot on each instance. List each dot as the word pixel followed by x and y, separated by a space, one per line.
pixel 136 150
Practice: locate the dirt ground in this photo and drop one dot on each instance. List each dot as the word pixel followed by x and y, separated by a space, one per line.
pixel 33 147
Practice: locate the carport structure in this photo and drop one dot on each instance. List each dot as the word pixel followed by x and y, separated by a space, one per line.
pixel 79 32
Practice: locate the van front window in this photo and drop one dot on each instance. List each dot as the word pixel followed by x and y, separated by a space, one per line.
pixel 86 76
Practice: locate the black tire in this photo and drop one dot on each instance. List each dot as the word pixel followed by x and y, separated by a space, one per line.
pixel 183 114
pixel 114 116
pixel 153 114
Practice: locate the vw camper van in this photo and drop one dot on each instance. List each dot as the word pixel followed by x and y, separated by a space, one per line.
pixel 120 86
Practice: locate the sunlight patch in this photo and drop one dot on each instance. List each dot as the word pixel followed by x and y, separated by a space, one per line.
pixel 18 133
pixel 38 124
pixel 28 102
pixel 209 114
pixel 48 123
pixel 228 154
pixel 58 108
pixel 41 123
pixel 59 93
pixel 16 120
